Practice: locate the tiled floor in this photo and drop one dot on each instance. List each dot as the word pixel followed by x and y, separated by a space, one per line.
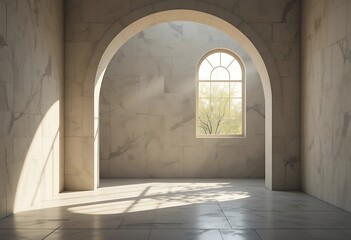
pixel 180 210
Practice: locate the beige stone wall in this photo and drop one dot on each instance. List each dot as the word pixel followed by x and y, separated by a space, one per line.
pixel 147 109
pixel 273 26
pixel 31 94
pixel 326 101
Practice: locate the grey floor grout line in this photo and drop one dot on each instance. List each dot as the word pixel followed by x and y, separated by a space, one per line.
pixel 220 232
pixel 149 234
pixel 120 224
pixel 258 234
pixel 51 233
pixel 224 214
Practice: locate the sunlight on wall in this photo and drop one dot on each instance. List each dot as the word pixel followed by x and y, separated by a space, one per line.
pixel 96 129
pixel 39 177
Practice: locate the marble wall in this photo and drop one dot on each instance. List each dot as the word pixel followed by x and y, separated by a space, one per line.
pixel 273 25
pixel 31 94
pixel 147 109
pixel 326 100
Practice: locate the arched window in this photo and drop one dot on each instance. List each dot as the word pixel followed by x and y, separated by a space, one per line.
pixel 220 110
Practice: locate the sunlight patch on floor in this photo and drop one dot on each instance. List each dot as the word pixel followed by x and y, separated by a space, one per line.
pixel 126 196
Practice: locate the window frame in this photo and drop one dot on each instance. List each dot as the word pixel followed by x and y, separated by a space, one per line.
pixel 243 93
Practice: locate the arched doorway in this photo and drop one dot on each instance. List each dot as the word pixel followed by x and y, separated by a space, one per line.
pixel 157 121
pixel 143 23
pixel 117 35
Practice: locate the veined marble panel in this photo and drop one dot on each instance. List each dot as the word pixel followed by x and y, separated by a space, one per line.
pixel 31 95
pixel 326 102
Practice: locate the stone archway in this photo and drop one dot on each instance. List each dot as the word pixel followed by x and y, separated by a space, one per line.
pixel 86 175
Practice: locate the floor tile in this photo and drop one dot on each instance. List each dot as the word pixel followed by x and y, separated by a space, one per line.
pixel 181 234
pixel 313 219
pixel 105 234
pixel 305 234
pixel 31 222
pixel 24 234
pixel 179 209
pixel 230 234
pixel 138 220
pixel 93 222
pixel 201 224
pixel 193 216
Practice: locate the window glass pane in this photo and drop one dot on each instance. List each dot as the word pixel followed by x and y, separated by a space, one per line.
pixel 204 117
pixel 235 108
pixel 204 104
pixel 205 71
pixel 226 59
pixel 216 115
pixel 233 127
pixel 220 107
pixel 201 128
pixel 224 128
pixel 219 89
pixel 214 59
pixel 235 89
pixel 220 74
pixel 235 71
pixel 220 115
pixel 204 89
pixel 212 115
